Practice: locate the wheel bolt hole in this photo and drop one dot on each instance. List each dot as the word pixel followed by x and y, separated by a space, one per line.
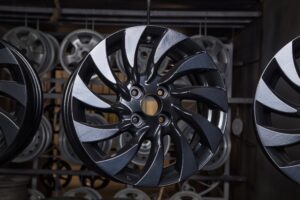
pixel 134 92
pixel 135 119
pixel 160 92
pixel 161 119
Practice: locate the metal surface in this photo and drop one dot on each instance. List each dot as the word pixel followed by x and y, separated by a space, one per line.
pixel 221 156
pixel 185 195
pixel 206 88
pixel 144 151
pixel 38 144
pixel 13 188
pixel 96 182
pixel 142 57
pixel 217 50
pixel 221 19
pixel 132 193
pixel 37 172
pixel 53 181
pixel 66 149
pixel 84 192
pixel 35 45
pixel 35 195
pixel 75 46
pixel 55 44
pixel 276 110
pixel 21 102
pixel 237 126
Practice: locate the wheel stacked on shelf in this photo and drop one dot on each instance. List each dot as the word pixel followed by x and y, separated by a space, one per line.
pixel 131 193
pixel 20 102
pixel 35 195
pixel 39 48
pixel 38 144
pixel 185 195
pixel 75 46
pixel 84 192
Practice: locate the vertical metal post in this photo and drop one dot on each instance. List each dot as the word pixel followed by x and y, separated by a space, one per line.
pixel 26 21
pixel 148 11
pixel 34 178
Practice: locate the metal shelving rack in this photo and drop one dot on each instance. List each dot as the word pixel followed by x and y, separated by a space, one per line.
pixel 227 20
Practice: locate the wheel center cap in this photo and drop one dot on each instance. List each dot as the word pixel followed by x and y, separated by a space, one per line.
pixel 150 105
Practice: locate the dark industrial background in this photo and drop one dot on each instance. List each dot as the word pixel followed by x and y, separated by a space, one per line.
pixel 258 30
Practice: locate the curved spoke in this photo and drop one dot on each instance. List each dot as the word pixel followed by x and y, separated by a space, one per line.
pixel 32 38
pixel 210 134
pixel 99 57
pixel 272 137
pixel 186 160
pixel 14 90
pixel 129 54
pixel 154 165
pixel 7 57
pixel 116 163
pixel 88 133
pixel 82 93
pixel 9 127
pixel 286 63
pixel 211 95
pixel 291 170
pixel 265 96
pixel 199 61
pixel 132 37
pixel 75 41
pixel 71 58
pixel 169 39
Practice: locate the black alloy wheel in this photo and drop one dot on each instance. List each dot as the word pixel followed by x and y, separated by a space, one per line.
pixel 20 102
pixel 276 110
pixel 200 103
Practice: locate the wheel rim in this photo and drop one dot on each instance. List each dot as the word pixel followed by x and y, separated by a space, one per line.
pixel 84 192
pixel 55 47
pixel 185 195
pixel 221 156
pixel 66 149
pixel 35 45
pixel 35 195
pixel 38 144
pixel 132 193
pixel 23 88
pixel 142 124
pixel 216 49
pixel 76 46
pixel 276 112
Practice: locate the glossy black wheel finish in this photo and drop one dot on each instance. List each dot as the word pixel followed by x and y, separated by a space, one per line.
pixel 276 110
pixel 20 102
pixel 207 117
